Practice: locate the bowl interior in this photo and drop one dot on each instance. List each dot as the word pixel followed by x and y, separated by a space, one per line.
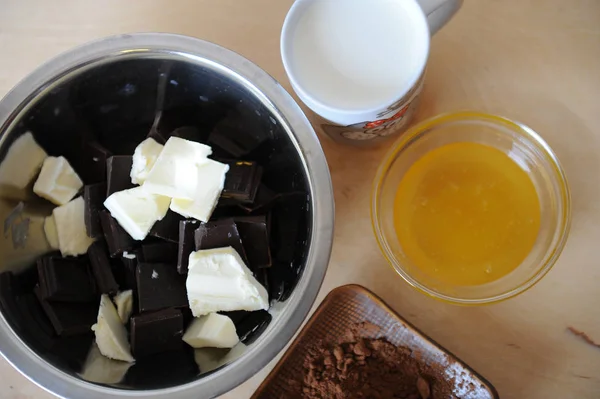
pixel 115 101
pixel 523 146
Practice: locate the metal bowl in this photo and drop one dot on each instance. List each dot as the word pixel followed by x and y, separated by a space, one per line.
pixel 112 89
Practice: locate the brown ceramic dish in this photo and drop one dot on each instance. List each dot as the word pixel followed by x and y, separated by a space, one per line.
pixel 351 304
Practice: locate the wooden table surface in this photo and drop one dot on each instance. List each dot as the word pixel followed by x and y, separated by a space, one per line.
pixel 534 60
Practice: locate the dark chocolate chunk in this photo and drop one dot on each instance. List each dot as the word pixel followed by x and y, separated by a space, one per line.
pixel 252 325
pixel 156 332
pixel 117 239
pixel 119 272
pixel 72 350
pixel 187 316
pixel 233 135
pixel 159 286
pixel 168 227
pixel 219 234
pixel 35 310
pixel 225 203
pixel 187 244
pixel 284 174
pixel 262 276
pixel 93 165
pixel 242 181
pixel 102 268
pixel 8 295
pixel 289 217
pixel 69 318
pixel 36 325
pixel 254 231
pixel 93 198
pixel 178 122
pixel 118 170
pixel 65 280
pixel 29 278
pixel 226 208
pixel 264 152
pixel 129 264
pixel 163 369
pixel 160 252
pixel 264 198
pixel 24 313
pixel 188 133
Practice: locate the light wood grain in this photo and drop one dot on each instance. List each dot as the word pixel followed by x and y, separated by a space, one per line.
pixel 536 61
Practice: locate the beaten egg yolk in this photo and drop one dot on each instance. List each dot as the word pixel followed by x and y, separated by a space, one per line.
pixel 466 214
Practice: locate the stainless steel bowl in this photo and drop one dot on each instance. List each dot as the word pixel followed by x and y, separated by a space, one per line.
pixel 110 88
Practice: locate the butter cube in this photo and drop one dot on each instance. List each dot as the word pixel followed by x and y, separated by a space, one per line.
pixel 50 231
pixel 175 172
pixel 58 182
pixel 218 280
pixel 111 334
pixel 124 302
pixel 211 331
pixel 210 182
pixel 70 228
pixel 144 158
pixel 137 210
pixel 22 163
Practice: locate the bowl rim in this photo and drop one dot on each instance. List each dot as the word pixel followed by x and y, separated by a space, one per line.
pixel 524 131
pixel 307 144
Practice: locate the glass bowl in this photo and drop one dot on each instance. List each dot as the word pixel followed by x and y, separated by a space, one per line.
pixel 527 149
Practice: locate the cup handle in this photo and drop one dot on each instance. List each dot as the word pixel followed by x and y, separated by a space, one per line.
pixel 439 12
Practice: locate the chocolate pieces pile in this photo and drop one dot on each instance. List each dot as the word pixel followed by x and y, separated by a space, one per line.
pixel 67 290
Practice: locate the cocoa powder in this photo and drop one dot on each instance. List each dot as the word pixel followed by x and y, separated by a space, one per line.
pixel 358 367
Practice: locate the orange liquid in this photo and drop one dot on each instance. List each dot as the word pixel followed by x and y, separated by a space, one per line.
pixel 466 214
